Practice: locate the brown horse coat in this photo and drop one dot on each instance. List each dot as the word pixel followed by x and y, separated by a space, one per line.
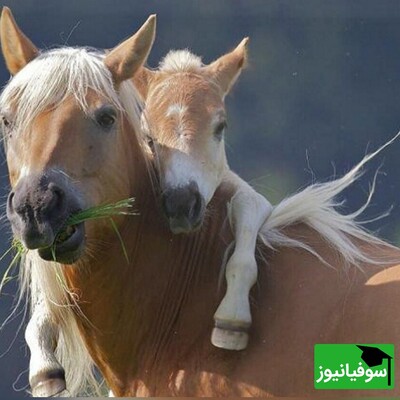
pixel 152 336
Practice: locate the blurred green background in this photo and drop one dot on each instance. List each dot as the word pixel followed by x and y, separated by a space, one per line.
pixel 322 88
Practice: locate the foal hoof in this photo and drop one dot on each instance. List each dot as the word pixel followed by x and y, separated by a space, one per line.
pixel 229 338
pixel 48 384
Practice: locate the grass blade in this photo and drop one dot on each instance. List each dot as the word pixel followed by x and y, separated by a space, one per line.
pixel 122 207
pixel 116 230
pixel 6 278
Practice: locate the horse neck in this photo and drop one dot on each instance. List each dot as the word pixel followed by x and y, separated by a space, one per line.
pixel 170 280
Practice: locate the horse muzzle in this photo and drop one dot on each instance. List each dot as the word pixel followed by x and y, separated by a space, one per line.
pixel 38 209
pixel 184 208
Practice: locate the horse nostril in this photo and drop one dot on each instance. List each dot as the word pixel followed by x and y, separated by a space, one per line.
pixel 57 202
pixel 196 206
pixel 167 205
pixel 10 204
pixel 59 195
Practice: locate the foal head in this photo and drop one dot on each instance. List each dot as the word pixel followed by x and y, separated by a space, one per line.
pixel 65 124
pixel 185 119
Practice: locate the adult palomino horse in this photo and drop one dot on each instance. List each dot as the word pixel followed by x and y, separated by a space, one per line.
pixel 71 126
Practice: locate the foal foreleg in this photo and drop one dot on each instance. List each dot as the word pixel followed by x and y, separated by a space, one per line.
pixel 46 375
pixel 249 210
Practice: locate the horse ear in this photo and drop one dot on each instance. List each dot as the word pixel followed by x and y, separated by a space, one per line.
pixel 226 69
pixel 126 59
pixel 142 80
pixel 17 49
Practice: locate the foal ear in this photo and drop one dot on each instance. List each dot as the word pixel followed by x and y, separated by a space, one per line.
pixel 17 49
pixel 126 59
pixel 142 80
pixel 226 69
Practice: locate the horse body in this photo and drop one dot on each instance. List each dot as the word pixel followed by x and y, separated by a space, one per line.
pixel 157 344
pixel 153 335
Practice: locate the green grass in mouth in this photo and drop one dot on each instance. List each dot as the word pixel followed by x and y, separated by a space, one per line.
pixel 105 211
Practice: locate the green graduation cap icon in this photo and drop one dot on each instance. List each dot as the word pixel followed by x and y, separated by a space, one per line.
pixel 373 357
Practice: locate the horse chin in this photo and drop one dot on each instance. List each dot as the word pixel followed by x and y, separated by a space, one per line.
pixel 67 250
pixel 184 226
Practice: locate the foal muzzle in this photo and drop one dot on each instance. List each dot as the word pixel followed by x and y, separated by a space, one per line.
pixel 38 209
pixel 184 207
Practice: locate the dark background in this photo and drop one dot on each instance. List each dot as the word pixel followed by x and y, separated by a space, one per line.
pixel 323 86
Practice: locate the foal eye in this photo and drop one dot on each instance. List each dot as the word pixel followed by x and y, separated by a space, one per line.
pixel 219 130
pixel 106 118
pixel 150 142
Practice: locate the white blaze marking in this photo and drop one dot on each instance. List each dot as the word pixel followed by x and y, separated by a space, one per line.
pixel 182 169
pixel 25 171
pixel 176 109
pixel 179 111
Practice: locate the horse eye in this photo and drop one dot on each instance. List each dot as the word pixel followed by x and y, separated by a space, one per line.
pixel 6 125
pixel 5 121
pixel 150 142
pixel 106 119
pixel 219 130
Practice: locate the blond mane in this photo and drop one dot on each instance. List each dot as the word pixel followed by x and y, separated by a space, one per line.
pixel 59 73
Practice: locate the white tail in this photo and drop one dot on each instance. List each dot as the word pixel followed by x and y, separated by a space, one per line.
pixel 316 206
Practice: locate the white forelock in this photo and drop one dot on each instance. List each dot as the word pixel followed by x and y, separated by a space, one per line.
pixel 180 61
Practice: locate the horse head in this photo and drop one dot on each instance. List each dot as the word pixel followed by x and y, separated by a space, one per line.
pixel 65 124
pixel 185 120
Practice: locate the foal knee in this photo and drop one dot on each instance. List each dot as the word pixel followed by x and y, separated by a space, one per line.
pixel 241 271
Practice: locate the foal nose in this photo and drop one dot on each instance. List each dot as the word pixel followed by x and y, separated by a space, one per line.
pixel 184 208
pixel 36 209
